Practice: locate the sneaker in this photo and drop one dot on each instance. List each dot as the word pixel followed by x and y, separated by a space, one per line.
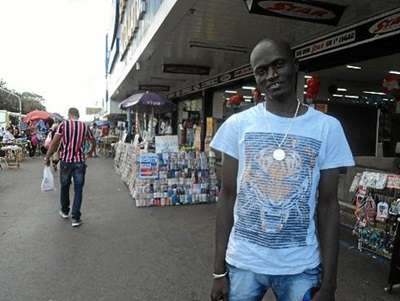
pixel 76 222
pixel 63 215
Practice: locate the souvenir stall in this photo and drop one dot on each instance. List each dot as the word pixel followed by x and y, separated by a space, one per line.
pixel 38 123
pixel 157 171
pixel 106 139
pixel 377 201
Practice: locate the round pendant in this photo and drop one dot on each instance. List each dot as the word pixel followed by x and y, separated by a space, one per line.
pixel 279 154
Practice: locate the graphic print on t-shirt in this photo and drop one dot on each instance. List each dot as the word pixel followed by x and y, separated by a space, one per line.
pixel 272 203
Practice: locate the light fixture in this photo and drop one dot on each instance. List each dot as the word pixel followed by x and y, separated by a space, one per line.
pixel 307 76
pixel 394 72
pixel 262 94
pixel 374 93
pixel 247 97
pixel 337 95
pixel 385 99
pixel 352 96
pixel 353 67
pixel 305 86
pixel 230 91
pixel 248 88
pixel 342 89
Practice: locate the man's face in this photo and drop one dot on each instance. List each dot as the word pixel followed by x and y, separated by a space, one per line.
pixel 274 70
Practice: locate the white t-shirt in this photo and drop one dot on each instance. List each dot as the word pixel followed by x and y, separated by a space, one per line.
pixel 274 231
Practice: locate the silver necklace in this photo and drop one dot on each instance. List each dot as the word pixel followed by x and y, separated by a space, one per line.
pixel 279 154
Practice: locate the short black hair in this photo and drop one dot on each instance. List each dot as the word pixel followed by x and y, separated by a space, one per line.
pixel 74 112
pixel 282 44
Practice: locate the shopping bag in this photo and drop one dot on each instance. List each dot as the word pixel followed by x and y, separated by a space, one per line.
pixel 48 180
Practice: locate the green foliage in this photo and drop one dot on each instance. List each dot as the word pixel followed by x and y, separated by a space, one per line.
pixel 30 101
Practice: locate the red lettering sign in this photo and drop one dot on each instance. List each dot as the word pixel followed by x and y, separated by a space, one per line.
pixel 388 24
pixel 298 10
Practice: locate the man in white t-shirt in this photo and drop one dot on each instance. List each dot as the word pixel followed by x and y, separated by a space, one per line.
pixel 278 215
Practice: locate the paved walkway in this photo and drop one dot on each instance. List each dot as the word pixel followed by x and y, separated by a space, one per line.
pixel 122 252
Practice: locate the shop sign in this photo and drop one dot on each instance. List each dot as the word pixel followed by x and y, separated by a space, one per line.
pixel 372 29
pixel 321 46
pixel 218 80
pixel 93 111
pixel 305 10
pixel 130 25
pixel 388 24
pixel 148 166
pixel 154 88
pixel 186 69
pixel 167 144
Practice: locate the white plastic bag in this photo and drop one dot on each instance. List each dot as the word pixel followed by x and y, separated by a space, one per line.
pixel 48 180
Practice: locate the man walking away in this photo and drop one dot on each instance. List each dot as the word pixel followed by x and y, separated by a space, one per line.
pixel 71 134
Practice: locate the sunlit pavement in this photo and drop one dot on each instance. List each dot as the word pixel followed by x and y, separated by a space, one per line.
pixel 122 252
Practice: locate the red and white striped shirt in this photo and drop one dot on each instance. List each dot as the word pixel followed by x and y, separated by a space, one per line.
pixel 73 134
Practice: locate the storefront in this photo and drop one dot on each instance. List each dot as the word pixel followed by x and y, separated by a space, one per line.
pixel 162 169
pixel 353 74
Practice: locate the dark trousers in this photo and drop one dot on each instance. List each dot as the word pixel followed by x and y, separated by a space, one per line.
pixel 77 172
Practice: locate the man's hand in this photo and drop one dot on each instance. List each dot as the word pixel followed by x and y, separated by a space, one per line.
pixel 220 289
pixel 46 161
pixel 324 295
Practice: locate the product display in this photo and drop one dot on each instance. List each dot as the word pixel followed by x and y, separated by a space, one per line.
pixel 376 212
pixel 176 178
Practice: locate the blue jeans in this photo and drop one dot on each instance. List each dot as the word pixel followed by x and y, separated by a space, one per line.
pixel 68 171
pixel 248 286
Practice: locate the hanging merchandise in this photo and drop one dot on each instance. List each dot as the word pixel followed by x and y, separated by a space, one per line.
pixel 382 212
pixel 356 182
pixel 393 181
pixel 373 180
pixel 313 87
pixel 235 100
pixel 378 218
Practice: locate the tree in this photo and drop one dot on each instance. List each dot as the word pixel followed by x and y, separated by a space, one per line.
pixel 30 101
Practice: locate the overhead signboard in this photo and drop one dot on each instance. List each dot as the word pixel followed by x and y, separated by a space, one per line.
pixel 186 69
pixel 154 88
pixel 372 29
pixel 215 81
pixel 304 10
pixel 93 111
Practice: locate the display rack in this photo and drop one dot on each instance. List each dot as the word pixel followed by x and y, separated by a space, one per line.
pixel 377 200
pixel 167 179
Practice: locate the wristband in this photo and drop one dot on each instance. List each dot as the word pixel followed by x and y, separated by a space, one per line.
pixel 219 276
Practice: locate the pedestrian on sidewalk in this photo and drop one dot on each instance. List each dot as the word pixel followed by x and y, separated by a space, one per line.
pixel 71 134
pixel 278 215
